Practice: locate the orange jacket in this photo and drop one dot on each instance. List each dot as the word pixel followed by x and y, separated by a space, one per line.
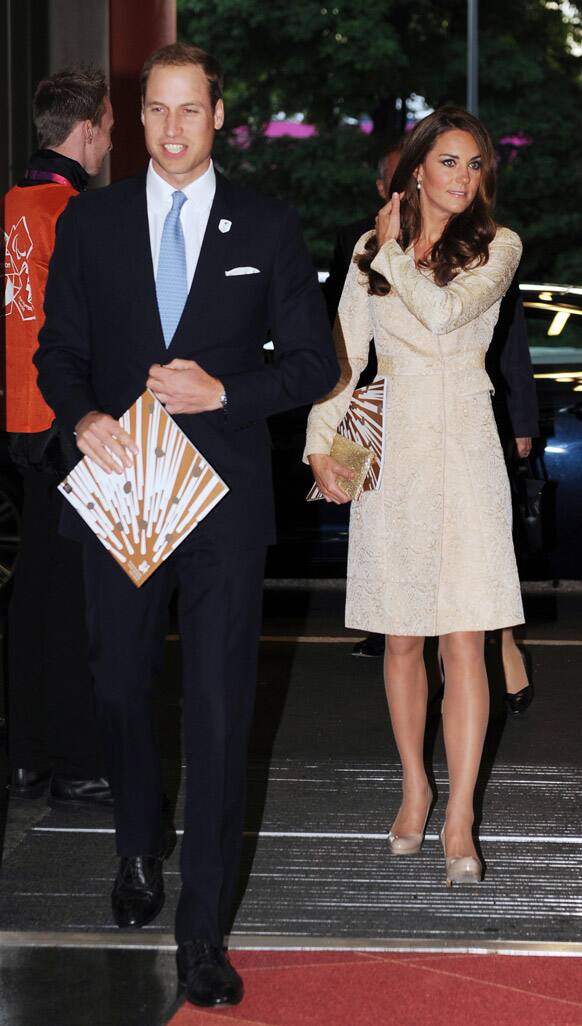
pixel 30 218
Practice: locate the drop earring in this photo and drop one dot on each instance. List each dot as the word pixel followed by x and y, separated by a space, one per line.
pixel 418 185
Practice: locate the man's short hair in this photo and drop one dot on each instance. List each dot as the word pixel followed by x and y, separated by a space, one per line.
pixel 395 148
pixel 181 55
pixel 65 98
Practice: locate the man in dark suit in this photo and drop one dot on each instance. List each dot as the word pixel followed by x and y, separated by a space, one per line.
pixel 174 280
pixel 348 235
pixel 508 364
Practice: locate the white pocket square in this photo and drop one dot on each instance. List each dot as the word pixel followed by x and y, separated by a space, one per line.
pixel 241 270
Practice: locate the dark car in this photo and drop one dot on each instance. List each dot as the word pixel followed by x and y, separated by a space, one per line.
pixel 313 536
pixel 554 324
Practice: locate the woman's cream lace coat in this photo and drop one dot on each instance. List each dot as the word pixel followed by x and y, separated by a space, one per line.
pixel 431 551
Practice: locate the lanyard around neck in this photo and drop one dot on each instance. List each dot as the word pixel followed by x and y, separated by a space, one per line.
pixel 45 176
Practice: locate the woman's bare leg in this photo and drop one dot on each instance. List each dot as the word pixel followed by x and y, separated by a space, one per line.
pixel 465 718
pixel 513 668
pixel 407 694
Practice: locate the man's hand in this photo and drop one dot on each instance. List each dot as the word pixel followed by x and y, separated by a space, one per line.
pixel 326 473
pixel 102 438
pixel 388 220
pixel 523 446
pixel 183 387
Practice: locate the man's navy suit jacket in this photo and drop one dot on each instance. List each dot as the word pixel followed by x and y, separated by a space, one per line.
pixel 508 360
pixel 102 334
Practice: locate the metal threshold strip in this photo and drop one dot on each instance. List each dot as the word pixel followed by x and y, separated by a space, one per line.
pixel 278 942
pixel 340 835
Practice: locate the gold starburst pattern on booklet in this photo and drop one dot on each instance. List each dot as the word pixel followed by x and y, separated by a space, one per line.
pixel 144 513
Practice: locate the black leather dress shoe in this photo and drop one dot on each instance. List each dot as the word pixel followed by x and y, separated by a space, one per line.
pixel 372 647
pixel 138 891
pixel 66 791
pixel 206 973
pixel 26 783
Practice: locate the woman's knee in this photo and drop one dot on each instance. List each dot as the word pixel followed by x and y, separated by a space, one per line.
pixel 398 646
pixel 463 647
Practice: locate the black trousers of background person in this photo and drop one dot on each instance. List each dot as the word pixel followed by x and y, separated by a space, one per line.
pixel 51 707
pixel 219 610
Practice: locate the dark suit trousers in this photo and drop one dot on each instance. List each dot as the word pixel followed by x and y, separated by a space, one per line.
pixel 219 606
pixel 50 690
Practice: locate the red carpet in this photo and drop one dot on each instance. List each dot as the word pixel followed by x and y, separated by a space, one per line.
pixel 323 988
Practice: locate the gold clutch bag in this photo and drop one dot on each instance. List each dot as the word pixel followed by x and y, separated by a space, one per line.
pixel 359 442
pixel 353 457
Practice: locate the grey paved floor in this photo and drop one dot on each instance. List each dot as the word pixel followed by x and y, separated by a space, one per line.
pixel 323 788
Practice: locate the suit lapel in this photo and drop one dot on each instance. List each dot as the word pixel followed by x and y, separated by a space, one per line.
pixel 140 271
pixel 209 271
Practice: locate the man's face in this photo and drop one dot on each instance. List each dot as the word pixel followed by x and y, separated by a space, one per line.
pixel 389 167
pixel 179 122
pixel 99 143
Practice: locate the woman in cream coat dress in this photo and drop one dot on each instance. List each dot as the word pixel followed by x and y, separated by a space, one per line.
pixel 430 552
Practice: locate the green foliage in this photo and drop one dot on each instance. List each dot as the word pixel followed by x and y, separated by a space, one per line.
pixel 345 60
pixel 327 177
pixel 303 56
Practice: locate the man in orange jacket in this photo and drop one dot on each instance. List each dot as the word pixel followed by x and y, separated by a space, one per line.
pixel 52 730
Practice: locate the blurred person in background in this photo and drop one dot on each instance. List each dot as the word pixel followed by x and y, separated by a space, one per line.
pixel 52 730
pixel 515 406
pixel 348 235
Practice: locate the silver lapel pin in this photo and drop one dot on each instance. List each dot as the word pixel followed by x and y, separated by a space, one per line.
pixel 224 226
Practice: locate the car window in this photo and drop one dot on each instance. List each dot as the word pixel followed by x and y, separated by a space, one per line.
pixel 554 327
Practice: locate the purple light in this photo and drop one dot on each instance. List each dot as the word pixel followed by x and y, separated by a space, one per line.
pixel 290 130
pixel 516 140
pixel 293 129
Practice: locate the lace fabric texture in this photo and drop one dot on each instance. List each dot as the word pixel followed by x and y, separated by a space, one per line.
pixel 431 550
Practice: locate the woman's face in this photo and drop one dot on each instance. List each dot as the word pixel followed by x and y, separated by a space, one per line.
pixel 450 175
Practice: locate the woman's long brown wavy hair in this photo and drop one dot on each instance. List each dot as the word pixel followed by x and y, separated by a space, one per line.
pixel 465 240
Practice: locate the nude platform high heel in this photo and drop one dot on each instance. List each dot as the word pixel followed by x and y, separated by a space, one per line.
pixel 461 869
pixel 409 844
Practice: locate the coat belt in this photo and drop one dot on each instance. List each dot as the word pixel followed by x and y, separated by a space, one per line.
pixel 389 365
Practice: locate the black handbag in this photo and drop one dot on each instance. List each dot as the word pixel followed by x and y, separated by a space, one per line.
pixel 526 490
pixel 47 452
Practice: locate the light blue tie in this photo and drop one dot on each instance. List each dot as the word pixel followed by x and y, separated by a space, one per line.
pixel 172 278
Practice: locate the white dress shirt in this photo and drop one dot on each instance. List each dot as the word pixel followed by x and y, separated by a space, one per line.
pixel 194 214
